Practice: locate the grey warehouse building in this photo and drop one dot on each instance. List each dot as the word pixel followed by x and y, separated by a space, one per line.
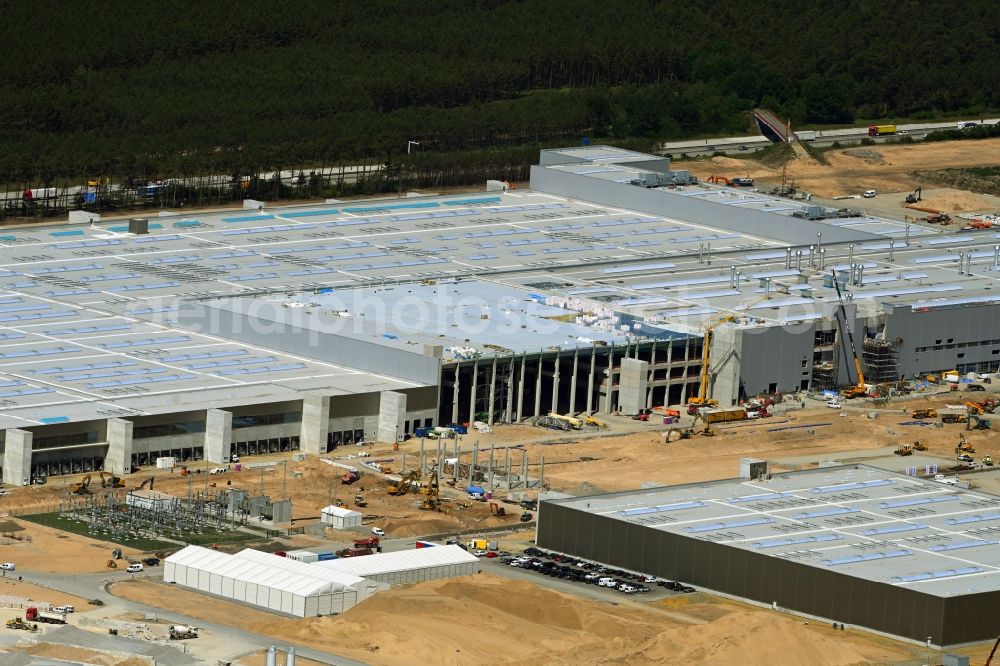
pixel 860 545
pixel 305 327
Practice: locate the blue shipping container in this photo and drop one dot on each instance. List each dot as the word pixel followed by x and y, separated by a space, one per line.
pixel 327 556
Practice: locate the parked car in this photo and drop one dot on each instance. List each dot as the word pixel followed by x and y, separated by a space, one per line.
pixel 975 387
pixel 607 582
pixel 151 561
pixel 134 568
pixel 643 588
pixel 627 589
pixel 479 553
pixel 687 589
pixel 534 552
pixel 491 554
pixel 8 566
pixel 834 404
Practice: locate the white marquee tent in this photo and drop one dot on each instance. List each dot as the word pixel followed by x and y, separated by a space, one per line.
pixel 339 517
pixel 267 581
pixel 406 566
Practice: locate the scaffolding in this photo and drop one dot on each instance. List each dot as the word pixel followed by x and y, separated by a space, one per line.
pixel 880 359
pixel 824 376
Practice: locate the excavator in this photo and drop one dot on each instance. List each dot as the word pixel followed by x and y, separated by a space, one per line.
pixel 702 398
pixel 858 390
pixel 591 421
pixel 432 501
pixel 81 488
pixel 914 196
pixel 111 481
pixel 495 508
pixel 404 485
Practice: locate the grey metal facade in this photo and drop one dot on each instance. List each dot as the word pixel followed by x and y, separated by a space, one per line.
pixel 945 338
pixel 791 585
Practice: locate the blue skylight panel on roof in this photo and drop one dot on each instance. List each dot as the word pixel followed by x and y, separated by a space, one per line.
pixel 978 518
pixel 895 504
pixel 758 498
pixel 959 545
pixel 679 506
pixel 823 513
pixel 867 557
pixel 893 529
pixel 729 524
pixel 795 541
pixel 857 485
pixel 936 575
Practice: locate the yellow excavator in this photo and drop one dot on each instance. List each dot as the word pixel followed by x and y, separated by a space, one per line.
pixel 432 491
pixel 81 488
pixel 859 389
pixel 405 484
pixel 111 481
pixel 702 399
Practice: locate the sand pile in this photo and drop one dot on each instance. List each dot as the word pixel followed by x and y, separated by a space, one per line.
pixel 956 201
pixel 487 619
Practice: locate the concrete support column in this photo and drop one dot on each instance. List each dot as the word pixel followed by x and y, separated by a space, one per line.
pixel 609 381
pixel 510 390
pixel 454 400
pixel 493 391
pixel 472 394
pixel 118 459
pixel 590 382
pixel 555 387
pixel 17 457
pixel 572 386
pixel 538 386
pixel 391 415
pixel 632 385
pixel 684 377
pixel 218 435
pixel 315 423
pixel 520 389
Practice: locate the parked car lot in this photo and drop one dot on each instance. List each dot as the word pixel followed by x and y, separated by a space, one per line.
pixel 591 573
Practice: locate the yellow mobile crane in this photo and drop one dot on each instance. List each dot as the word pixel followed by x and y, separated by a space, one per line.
pixel 702 398
pixel 858 389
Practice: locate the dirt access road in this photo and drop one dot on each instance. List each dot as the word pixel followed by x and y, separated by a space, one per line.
pixel 883 167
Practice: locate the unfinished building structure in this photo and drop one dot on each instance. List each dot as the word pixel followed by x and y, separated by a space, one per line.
pixel 306 327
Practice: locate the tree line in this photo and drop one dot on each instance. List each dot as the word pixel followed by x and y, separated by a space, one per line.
pixel 174 89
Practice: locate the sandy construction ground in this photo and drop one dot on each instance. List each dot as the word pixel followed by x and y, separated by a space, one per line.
pixel 11 587
pixel 52 551
pixel 518 622
pixel 624 462
pixel 880 167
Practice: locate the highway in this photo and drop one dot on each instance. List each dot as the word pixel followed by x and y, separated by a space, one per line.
pixel 823 138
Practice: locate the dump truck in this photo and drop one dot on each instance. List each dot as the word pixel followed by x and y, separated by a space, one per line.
pixel 924 413
pixel 904 450
pixel 952 418
pixel 49 617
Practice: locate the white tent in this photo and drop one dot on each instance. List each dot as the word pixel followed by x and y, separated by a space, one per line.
pixel 265 580
pixel 406 566
pixel 339 517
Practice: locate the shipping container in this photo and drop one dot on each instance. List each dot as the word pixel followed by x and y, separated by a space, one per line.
pixel 165 462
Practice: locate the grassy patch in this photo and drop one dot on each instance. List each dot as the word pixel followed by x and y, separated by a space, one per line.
pixel 206 537
pixel 984 180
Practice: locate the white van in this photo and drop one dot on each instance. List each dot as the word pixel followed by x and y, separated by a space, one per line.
pixel 378 531
pixel 134 568
pixel 869 194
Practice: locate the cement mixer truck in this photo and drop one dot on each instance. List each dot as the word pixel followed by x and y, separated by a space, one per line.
pixel 179 632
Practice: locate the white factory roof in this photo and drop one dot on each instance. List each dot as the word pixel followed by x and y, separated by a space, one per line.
pixel 340 511
pixel 265 569
pixel 401 560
